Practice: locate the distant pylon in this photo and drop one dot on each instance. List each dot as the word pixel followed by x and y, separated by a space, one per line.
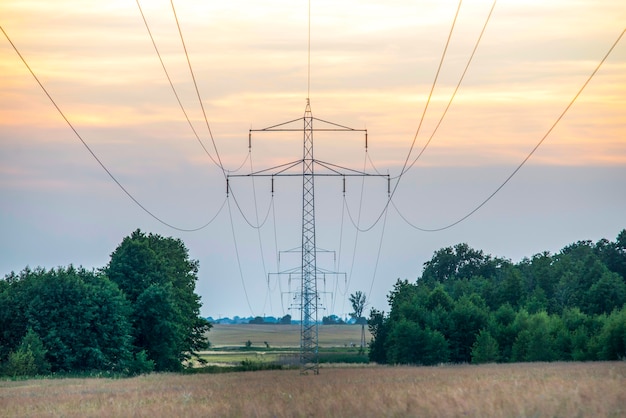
pixel 309 273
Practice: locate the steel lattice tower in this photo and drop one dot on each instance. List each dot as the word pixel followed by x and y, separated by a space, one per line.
pixel 309 298
pixel 309 274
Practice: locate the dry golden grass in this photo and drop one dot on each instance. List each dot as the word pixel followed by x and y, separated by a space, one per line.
pixel 519 390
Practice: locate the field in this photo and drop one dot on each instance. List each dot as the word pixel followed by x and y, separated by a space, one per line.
pixel 280 344
pixel 281 336
pixel 518 390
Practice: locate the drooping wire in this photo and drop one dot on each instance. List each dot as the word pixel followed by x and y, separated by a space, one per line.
pixel 193 77
pixel 343 209
pixel 93 154
pixel 380 246
pixel 430 94
pixel 356 238
pixel 245 160
pixel 180 104
pixel 404 167
pixel 280 289
pixel 456 89
pixel 265 218
pixel 258 230
pixel 558 119
pixel 243 283
pixel 458 85
pixel 167 75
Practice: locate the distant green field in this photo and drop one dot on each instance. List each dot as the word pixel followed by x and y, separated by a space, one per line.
pixel 281 336
pixel 280 344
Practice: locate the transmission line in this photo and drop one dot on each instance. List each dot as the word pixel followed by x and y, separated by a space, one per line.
pixel 430 94
pixel 243 215
pixel 258 230
pixel 243 283
pixel 458 85
pixel 193 77
pixel 93 154
pixel 558 119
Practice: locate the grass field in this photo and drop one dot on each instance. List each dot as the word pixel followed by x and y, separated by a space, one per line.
pixel 337 343
pixel 517 390
pixel 283 335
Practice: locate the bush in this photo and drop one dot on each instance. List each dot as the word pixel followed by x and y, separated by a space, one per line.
pixel 20 363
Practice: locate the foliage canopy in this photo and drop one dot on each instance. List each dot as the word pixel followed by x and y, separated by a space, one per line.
pixel 139 313
pixel 471 307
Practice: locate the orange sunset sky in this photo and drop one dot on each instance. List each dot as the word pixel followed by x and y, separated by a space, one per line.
pixel 372 65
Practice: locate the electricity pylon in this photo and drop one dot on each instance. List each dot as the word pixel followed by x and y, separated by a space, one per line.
pixel 309 273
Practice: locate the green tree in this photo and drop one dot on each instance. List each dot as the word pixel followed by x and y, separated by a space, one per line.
pixel 612 338
pixel 158 278
pixel 469 316
pixel 535 340
pixel 605 295
pixel 461 262
pixel 378 327
pixel 485 349
pixel 358 301
pixel 20 363
pixel 504 328
pixel 33 344
pixel 80 317
pixel 407 343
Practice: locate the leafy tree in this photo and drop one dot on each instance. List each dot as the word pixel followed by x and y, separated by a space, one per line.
pixel 566 306
pixel 469 316
pixel 332 320
pixel 20 363
pixel 79 317
pixel 535 340
pixel 605 295
pixel 407 343
pixel 358 301
pixel 378 327
pixel 504 329
pixel 158 278
pixel 33 344
pixel 460 262
pixel 485 349
pixel 612 337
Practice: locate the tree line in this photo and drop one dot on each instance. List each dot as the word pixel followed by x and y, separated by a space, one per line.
pixel 469 306
pixel 138 314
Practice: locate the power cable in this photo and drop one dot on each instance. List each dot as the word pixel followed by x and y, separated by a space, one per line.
pixel 456 89
pixel 180 104
pixel 93 154
pixel 156 49
pixel 430 94
pixel 558 119
pixel 356 238
pixel 258 230
pixel 380 246
pixel 343 209
pixel 399 177
pixel 243 283
pixel 280 289
pixel 267 214
pixel 449 102
pixel 182 39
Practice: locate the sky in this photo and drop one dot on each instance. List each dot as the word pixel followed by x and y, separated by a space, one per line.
pixel 367 65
